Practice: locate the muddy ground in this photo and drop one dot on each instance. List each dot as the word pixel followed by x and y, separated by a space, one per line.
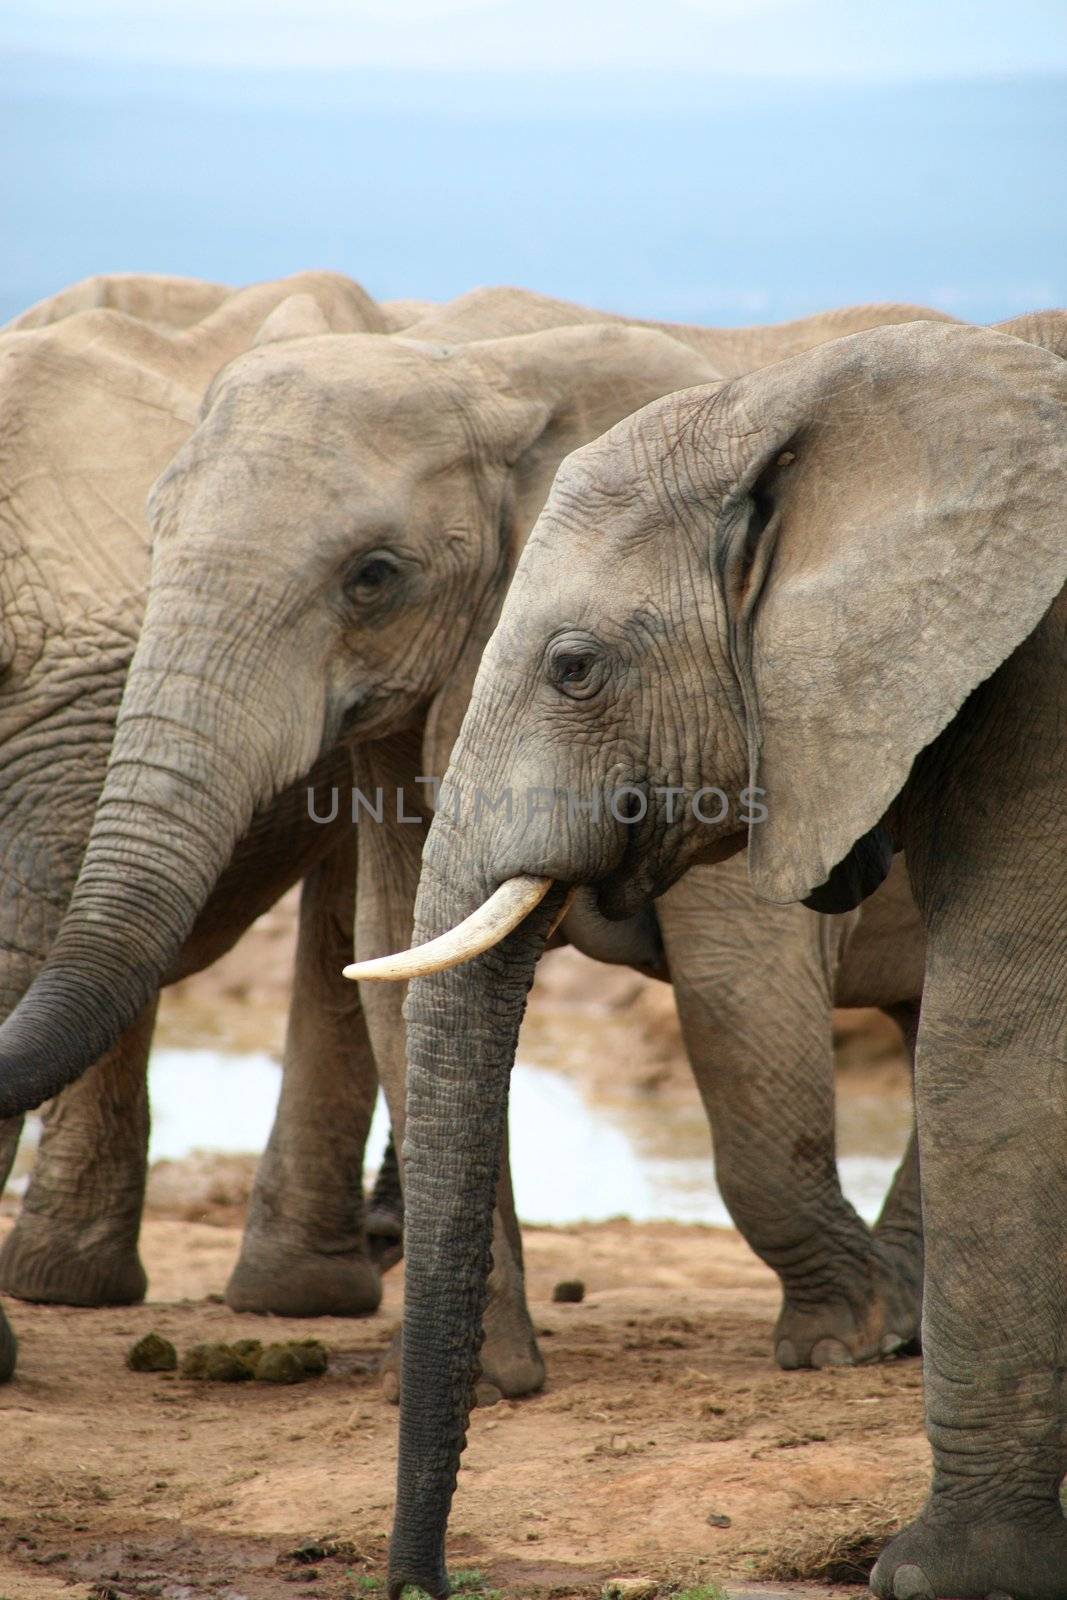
pixel 666 1445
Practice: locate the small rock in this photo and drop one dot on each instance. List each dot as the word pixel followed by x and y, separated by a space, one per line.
pixel 629 1589
pixel 153 1353
pixel 569 1293
pixel 717 1519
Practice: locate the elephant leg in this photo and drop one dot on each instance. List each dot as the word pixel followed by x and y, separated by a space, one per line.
pixel 10 1134
pixel 303 1253
pixel 389 858
pixel 993 1136
pixel 898 1233
pixel 984 822
pixel 8 1349
pixel 75 1240
pixel 385 1212
pixel 753 984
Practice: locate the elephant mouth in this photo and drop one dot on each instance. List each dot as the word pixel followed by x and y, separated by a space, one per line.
pixel 626 890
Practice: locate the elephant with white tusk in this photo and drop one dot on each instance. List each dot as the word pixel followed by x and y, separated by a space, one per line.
pixel 837 583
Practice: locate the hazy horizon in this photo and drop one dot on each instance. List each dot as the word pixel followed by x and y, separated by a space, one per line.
pixel 685 195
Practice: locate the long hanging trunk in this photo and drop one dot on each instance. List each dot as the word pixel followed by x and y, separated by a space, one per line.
pixel 462 1028
pixel 206 732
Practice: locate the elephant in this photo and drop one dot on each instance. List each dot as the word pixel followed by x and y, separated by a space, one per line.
pixel 446 448
pixel 94 400
pixel 832 592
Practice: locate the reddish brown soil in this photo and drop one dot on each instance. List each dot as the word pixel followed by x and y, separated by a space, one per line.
pixel 662 1411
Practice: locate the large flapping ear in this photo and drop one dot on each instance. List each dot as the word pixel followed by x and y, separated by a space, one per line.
pixel 547 393
pixel 892 531
pixel 560 388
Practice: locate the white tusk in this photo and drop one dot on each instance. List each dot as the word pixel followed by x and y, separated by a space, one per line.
pixel 505 908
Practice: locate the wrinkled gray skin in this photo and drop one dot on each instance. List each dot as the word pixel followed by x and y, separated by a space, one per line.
pixel 98 388
pixel 840 580
pixel 261 653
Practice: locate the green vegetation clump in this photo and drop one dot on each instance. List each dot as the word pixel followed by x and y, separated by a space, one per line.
pixel 153 1353
pixel 279 1363
pixel 216 1363
pixel 224 1365
pixel 292 1362
pixel 249 1350
pixel 312 1355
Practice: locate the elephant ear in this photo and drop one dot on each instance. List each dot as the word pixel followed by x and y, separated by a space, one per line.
pixel 545 394
pixel 894 530
pixel 562 387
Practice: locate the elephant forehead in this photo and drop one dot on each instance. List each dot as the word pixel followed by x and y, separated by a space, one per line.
pixel 255 476
pixel 338 390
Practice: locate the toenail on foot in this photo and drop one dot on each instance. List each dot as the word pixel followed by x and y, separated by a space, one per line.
pixel 487 1394
pixel 911 1583
pixel 891 1343
pixel 830 1353
pixel 786 1355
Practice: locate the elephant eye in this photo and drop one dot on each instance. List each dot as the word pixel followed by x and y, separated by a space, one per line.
pixel 575 667
pixel 371 576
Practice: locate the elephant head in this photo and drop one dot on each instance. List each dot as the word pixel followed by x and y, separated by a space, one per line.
pixel 782 588
pixel 329 551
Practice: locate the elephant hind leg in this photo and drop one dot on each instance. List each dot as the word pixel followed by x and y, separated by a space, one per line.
pixel 75 1240
pixel 753 990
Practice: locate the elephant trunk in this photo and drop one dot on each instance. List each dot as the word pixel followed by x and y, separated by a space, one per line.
pixel 209 729
pixel 462 1026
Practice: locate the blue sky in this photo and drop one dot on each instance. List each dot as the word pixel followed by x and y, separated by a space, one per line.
pixel 898 39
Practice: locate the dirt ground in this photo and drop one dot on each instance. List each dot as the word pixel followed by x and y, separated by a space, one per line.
pixel 665 1446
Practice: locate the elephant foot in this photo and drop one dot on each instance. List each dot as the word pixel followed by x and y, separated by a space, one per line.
pixel 8 1350
pixel 882 1324
pixel 1006 1560
pixel 92 1266
pixel 510 1368
pixel 302 1283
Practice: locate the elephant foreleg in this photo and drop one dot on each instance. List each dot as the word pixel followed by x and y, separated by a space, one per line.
pixel 303 1252
pixel 75 1240
pixel 753 991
